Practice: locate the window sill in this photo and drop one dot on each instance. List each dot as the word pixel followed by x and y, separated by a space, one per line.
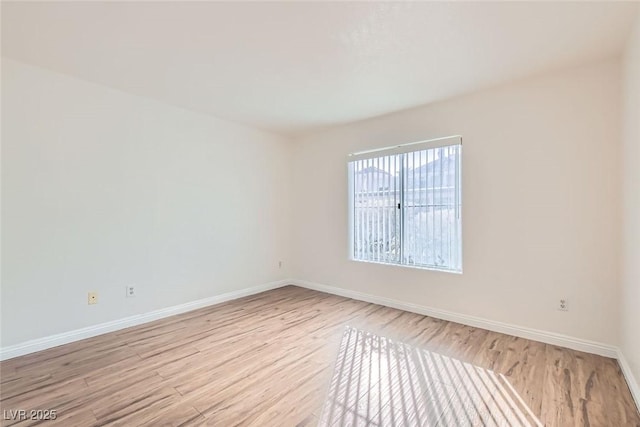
pixel 414 267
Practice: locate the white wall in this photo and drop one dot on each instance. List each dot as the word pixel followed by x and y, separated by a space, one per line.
pixel 541 203
pixel 630 297
pixel 101 189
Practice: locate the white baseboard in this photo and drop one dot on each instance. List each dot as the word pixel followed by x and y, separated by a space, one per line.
pixel 631 380
pixel 492 325
pixel 91 331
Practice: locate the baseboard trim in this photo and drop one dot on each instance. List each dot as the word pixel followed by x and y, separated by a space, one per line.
pixel 633 384
pixel 492 325
pixel 44 343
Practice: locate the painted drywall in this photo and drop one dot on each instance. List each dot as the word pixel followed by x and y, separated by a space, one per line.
pixel 630 295
pixel 102 189
pixel 540 204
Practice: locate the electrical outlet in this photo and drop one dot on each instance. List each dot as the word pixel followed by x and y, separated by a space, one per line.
pixel 93 298
pixel 131 291
pixel 563 304
pixel 279 264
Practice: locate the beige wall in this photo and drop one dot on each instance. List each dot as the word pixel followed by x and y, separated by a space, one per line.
pixel 630 301
pixel 540 201
pixel 101 189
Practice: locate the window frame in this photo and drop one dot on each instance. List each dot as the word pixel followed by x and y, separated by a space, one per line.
pixel 403 149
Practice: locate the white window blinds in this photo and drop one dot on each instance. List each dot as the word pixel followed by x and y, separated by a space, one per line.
pixel 405 205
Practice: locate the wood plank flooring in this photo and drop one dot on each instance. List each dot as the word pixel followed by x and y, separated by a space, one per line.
pixel 280 359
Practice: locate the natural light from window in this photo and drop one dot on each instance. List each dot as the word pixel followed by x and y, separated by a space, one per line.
pixel 406 205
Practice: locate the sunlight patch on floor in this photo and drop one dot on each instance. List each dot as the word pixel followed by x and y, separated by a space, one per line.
pixel 381 382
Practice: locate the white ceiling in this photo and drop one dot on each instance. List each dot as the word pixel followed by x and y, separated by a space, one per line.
pixel 291 67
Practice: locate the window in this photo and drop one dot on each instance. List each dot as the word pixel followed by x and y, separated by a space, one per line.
pixel 405 205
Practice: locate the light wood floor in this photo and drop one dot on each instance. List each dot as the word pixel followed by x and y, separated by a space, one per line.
pixel 292 356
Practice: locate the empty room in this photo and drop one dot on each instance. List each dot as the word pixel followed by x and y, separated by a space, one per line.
pixel 320 213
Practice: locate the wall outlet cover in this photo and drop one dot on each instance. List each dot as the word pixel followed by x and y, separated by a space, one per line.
pixel 130 291
pixel 563 304
pixel 92 298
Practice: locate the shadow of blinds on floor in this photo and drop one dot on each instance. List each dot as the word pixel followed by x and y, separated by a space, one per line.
pixel 381 382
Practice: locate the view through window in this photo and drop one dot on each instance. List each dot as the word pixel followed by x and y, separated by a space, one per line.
pixel 406 206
